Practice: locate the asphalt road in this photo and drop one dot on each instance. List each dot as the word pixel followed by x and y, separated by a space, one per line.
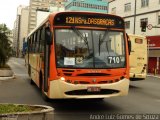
pixel 143 98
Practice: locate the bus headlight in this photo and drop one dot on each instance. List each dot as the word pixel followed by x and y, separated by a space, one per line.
pixel 62 78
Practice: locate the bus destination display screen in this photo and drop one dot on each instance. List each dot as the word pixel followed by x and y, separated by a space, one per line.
pixel 95 20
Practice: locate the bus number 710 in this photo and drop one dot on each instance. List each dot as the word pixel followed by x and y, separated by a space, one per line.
pixel 113 60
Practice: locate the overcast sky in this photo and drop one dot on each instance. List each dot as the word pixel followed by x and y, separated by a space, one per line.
pixel 8 11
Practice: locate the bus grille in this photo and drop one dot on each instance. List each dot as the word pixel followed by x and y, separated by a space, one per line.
pixel 93 74
pixel 84 92
pixel 68 72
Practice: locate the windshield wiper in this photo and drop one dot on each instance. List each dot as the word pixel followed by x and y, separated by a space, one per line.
pixel 101 40
pixel 84 38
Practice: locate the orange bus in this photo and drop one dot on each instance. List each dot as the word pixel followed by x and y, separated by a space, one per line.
pixel 79 55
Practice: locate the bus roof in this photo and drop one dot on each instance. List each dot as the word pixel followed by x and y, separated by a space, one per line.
pixel 136 35
pixel 54 14
pixel 84 12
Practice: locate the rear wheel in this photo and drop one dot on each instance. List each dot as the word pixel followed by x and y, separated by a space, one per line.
pixel 31 82
pixel 29 72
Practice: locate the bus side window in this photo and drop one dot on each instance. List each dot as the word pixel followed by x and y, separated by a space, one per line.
pixel 28 44
pixel 34 42
pixel 38 41
pixel 34 46
pixel 31 44
pixel 42 38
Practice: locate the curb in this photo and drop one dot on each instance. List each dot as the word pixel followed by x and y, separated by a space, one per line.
pixel 7 78
pixel 6 74
pixel 153 76
pixel 47 113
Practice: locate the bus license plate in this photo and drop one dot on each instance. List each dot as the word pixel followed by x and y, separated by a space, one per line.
pixel 93 89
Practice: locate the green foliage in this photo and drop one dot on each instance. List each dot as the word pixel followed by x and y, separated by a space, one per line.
pixel 11 108
pixel 5 45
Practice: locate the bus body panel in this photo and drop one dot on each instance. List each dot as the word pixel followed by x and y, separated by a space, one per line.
pixel 58 88
pixel 138 57
pixel 35 63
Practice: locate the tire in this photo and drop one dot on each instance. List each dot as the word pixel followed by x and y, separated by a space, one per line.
pixel 45 97
pixel 29 70
pixel 98 99
pixel 40 80
pixel 31 82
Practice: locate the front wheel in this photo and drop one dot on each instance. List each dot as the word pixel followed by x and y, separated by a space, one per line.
pixel 98 99
pixel 45 97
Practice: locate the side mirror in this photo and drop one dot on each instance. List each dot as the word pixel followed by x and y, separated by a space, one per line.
pixel 129 47
pixel 48 36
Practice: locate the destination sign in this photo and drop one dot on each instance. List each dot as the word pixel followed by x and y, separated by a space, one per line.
pixel 90 21
pixel 95 20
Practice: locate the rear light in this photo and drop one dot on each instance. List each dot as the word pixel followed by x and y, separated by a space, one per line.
pixel 145 65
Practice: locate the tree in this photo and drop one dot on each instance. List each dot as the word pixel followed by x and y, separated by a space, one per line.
pixel 5 45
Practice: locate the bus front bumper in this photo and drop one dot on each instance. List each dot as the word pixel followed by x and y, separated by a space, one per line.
pixel 60 89
pixel 137 76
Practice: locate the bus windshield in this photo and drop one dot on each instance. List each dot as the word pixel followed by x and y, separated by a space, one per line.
pixel 79 48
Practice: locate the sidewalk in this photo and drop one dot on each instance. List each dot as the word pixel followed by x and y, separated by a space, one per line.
pixel 152 75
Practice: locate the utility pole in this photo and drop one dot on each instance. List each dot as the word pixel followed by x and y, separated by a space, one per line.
pixel 135 12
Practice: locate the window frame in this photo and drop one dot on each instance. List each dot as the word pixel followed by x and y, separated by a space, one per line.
pixel 113 10
pixel 143 19
pixel 127 7
pixel 159 20
pixel 144 3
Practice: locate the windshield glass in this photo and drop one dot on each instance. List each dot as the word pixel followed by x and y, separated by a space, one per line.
pixel 78 48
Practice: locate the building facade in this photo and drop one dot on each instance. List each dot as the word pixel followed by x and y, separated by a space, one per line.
pixel 15 34
pixel 34 5
pixel 20 29
pixel 134 13
pixel 42 5
pixel 54 6
pixel 87 5
pixel 27 19
pixel 23 27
